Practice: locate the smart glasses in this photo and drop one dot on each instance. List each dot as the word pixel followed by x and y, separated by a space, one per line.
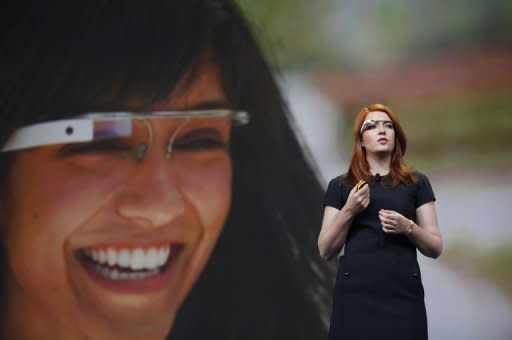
pixel 129 130
pixel 372 124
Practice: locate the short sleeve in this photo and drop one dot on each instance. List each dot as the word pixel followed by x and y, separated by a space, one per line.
pixel 425 193
pixel 333 195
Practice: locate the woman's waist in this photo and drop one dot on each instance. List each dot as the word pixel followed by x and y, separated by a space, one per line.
pixel 379 260
pixel 369 240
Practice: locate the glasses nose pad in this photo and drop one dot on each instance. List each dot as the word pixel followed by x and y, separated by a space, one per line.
pixel 173 137
pixel 142 148
pixel 140 152
pixel 169 149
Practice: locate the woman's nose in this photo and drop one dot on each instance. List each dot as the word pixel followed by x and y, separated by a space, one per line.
pixel 152 196
pixel 381 128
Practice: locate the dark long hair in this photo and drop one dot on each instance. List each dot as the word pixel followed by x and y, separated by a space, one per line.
pixel 265 279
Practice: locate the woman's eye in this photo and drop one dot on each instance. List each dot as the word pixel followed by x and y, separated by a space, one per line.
pixel 106 146
pixel 389 125
pixel 200 140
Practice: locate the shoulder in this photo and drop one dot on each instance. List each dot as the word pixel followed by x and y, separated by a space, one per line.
pixel 418 173
pixel 334 184
pixel 419 177
pixel 335 180
pixel 336 193
pixel 338 181
pixel 424 191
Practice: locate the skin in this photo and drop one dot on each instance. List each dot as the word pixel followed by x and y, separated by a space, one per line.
pixel 379 143
pixel 336 222
pixel 64 206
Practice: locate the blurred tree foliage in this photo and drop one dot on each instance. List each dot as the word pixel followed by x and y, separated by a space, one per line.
pixel 290 30
pixel 304 33
pixel 368 35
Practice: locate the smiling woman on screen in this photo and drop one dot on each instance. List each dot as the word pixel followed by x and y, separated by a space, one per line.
pixel 146 188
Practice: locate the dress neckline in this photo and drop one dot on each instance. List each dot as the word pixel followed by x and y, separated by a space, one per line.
pixel 381 175
pixel 381 179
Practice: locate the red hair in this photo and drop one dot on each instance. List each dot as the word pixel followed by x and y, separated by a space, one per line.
pixel 359 168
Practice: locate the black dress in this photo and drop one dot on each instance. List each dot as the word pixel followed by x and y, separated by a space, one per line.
pixel 378 292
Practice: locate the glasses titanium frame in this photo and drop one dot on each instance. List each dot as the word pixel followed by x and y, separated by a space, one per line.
pixel 81 128
pixel 373 121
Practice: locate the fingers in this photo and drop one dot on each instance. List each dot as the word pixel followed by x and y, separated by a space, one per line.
pixel 360 184
pixel 389 227
pixel 359 188
pixel 363 196
pixel 358 200
pixel 390 221
pixel 364 191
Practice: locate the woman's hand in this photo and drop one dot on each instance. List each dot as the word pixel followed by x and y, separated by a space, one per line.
pixel 424 235
pixel 394 222
pixel 336 223
pixel 358 200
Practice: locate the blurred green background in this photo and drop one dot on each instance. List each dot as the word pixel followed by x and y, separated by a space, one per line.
pixel 445 67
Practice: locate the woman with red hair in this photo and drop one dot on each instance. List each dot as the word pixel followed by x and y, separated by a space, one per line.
pixel 379 212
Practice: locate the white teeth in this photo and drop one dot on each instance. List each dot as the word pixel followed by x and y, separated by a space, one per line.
pixel 152 259
pixel 114 274
pixel 137 259
pixel 124 258
pixel 102 257
pixel 163 255
pixel 112 256
pixel 134 259
pixel 94 254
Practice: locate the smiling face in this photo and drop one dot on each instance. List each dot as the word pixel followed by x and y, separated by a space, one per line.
pixel 110 251
pixel 378 134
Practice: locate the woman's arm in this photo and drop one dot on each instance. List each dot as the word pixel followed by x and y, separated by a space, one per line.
pixel 336 223
pixel 335 226
pixel 425 234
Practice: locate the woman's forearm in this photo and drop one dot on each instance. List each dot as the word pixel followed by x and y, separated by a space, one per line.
pixel 333 234
pixel 427 242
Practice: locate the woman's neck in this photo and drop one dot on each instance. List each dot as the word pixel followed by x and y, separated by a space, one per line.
pixel 378 163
